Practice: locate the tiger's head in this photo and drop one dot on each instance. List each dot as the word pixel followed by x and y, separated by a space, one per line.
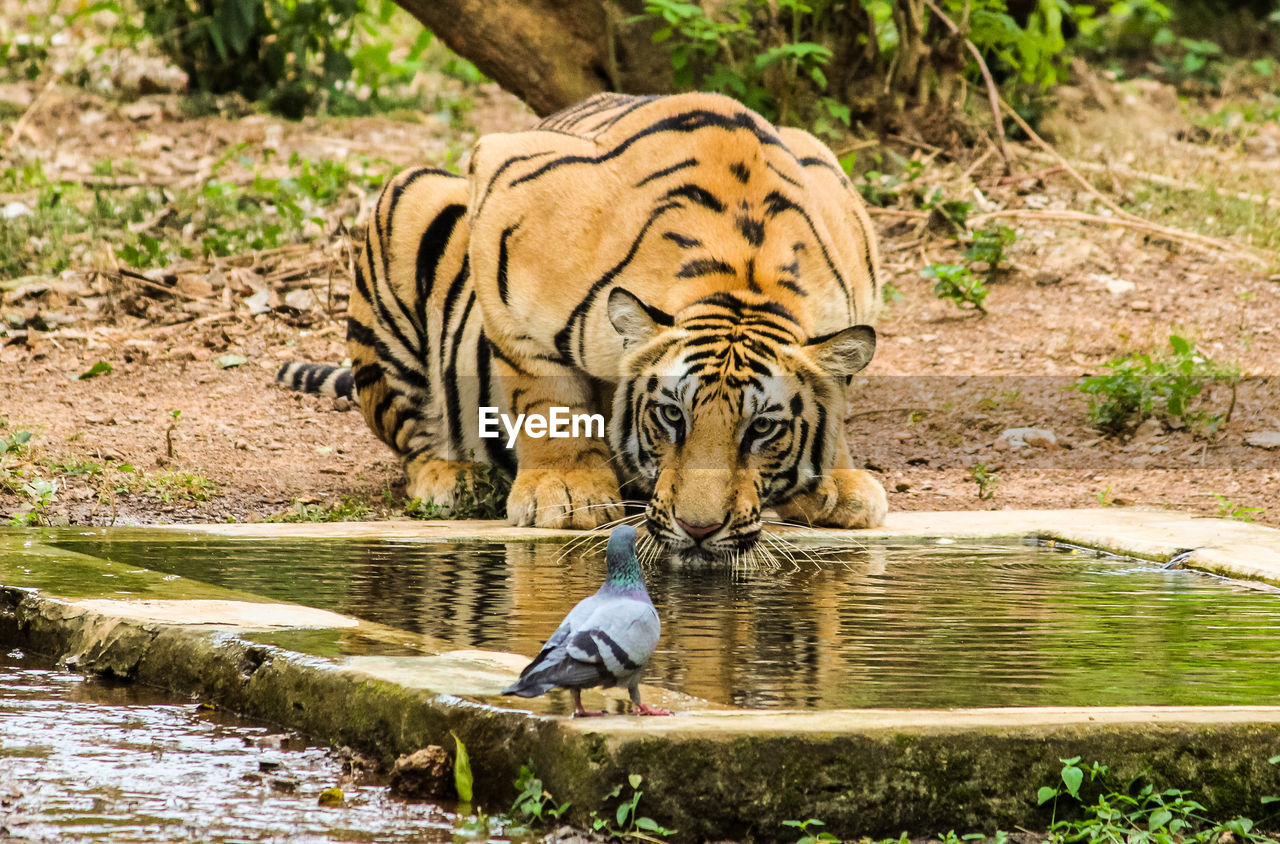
pixel 723 409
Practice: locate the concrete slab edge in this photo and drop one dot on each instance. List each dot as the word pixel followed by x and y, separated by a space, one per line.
pixel 968 770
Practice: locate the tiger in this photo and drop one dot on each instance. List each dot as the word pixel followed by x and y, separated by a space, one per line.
pixel 705 280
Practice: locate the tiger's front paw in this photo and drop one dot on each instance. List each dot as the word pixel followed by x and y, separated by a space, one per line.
pixel 440 482
pixel 574 498
pixel 847 498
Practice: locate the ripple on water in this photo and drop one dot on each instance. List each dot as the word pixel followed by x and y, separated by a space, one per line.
pixel 81 760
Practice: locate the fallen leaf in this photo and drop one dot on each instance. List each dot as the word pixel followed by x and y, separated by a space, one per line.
pixel 99 368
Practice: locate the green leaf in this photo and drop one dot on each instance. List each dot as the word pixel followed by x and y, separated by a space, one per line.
pixel 623 811
pixel 461 770
pixel 1045 794
pixel 1159 818
pixel 634 780
pixel 99 368
pixel 648 825
pixel 1274 760
pixel 235 20
pixel 1072 777
pixel 228 361
pixel 1267 800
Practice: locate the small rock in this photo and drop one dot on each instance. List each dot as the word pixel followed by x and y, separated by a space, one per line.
pixel 1015 438
pixel 426 773
pixel 331 797
pixel 276 445
pixel 194 285
pixel 284 785
pixel 901 486
pixel 1263 439
pixel 13 210
pixel 242 445
pixel 342 404
pixel 1139 305
pixel 1149 429
pixel 1115 286
pixel 268 765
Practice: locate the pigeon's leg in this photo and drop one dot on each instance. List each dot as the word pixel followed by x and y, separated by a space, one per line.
pixel 578 711
pixel 638 708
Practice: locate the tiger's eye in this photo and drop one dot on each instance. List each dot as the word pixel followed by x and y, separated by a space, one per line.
pixel 763 426
pixel 672 414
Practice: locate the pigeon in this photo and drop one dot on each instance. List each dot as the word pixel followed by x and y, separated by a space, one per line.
pixel 605 640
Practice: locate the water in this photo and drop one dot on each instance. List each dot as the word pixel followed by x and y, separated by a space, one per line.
pixel 887 626
pixel 81 760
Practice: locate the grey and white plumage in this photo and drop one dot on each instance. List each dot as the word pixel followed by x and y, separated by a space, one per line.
pixel 605 640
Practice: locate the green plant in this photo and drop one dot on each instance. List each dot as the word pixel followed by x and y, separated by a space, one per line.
pixel 1104 497
pixel 40 493
pixel 1133 813
pixel 629 823
pixel 721 50
pixel 350 509
pixel 988 246
pixel 534 804
pixel 958 284
pixel 15 443
pixel 810 836
pixel 172 487
pixel 462 779
pixel 168 433
pixel 481 493
pixel 1139 387
pixel 1230 510
pixel 987 479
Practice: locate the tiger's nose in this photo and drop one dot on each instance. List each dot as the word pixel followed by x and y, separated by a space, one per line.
pixel 698 531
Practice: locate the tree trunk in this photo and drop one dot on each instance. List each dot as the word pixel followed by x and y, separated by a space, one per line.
pixel 551 53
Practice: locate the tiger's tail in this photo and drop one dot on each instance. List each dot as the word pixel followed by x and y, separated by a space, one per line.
pixel 320 378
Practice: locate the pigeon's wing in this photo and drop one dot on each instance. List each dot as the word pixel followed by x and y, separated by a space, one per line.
pixel 620 634
pixel 553 666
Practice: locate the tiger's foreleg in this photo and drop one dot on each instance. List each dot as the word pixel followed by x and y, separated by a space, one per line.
pixel 845 498
pixel 561 482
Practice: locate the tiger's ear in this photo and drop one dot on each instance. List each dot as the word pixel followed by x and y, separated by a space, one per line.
pixel 845 352
pixel 633 319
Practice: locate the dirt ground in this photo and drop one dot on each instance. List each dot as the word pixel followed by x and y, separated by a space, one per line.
pixel 944 385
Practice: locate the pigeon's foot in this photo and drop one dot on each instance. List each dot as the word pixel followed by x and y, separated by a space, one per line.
pixel 646 709
pixel 578 710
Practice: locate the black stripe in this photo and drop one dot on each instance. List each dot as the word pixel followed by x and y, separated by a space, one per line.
pixel 682 241
pixel 618 653
pixel 688 162
pixel 430 250
pixel 783 176
pixel 696 194
pixel 407 372
pixel 751 228
pixel 456 287
pixel 502 261
pixel 740 172
pixel 605 124
pixel 450 375
pixel 365 374
pixel 700 267
pixel 502 457
pixel 344 384
pixel 777 203
pixel 819 441
pixel 788 284
pixel 752 284
pixel 690 121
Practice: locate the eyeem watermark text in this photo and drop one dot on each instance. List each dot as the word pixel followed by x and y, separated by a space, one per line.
pixel 559 424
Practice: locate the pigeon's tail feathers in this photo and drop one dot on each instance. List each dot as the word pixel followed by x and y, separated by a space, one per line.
pixel 528 687
pixel 566 672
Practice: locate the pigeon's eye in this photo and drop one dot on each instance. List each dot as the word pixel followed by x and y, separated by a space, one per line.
pixel 763 426
pixel 671 414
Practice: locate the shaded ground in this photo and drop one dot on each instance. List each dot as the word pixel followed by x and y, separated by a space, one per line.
pixel 944 385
